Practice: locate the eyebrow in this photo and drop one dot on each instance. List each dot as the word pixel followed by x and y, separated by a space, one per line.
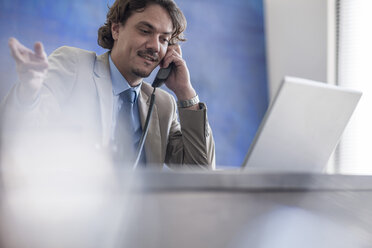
pixel 147 24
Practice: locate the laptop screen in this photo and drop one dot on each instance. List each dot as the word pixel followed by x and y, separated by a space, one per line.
pixel 302 126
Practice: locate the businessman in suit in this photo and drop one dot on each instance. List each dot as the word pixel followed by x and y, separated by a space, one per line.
pixel 76 88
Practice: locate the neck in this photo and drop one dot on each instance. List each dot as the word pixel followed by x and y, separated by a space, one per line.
pixel 132 83
pixel 132 79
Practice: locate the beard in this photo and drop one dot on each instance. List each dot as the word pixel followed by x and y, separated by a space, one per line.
pixel 141 73
pixel 143 53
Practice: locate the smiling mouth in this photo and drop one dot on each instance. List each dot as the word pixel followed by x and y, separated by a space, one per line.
pixel 148 57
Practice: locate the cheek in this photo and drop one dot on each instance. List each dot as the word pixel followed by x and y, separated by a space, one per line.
pixel 163 51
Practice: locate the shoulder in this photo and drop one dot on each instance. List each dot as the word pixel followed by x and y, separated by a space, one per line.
pixel 72 50
pixel 75 60
pixel 70 69
pixel 72 53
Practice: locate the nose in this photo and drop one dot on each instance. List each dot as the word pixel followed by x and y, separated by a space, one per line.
pixel 153 43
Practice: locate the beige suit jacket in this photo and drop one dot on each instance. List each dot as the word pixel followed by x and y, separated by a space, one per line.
pixel 78 93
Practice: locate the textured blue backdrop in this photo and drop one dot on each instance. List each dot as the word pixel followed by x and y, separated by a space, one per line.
pixel 225 53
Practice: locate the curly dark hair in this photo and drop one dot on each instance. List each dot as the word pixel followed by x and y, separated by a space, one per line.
pixel 121 10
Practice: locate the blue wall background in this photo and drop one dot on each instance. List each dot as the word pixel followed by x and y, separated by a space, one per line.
pixel 225 53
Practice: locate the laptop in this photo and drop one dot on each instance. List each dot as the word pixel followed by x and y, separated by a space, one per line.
pixel 301 127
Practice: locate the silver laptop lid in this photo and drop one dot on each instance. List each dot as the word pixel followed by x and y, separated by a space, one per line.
pixel 302 126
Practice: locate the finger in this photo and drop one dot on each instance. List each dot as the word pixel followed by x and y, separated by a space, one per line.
pixel 17 45
pixel 11 41
pixel 174 57
pixel 166 61
pixel 18 50
pixel 178 49
pixel 13 45
pixel 39 50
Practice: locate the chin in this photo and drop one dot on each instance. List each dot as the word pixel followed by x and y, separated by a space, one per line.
pixel 141 72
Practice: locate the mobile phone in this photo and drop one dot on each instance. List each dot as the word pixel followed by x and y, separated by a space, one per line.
pixel 162 75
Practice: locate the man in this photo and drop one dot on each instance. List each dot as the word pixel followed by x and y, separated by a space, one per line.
pixel 79 90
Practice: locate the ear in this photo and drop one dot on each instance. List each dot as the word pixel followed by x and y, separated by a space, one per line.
pixel 115 30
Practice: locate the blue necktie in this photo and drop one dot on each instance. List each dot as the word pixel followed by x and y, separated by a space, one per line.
pixel 128 131
pixel 126 115
pixel 123 136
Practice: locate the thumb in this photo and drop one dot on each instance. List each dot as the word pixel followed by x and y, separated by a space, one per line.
pixel 39 49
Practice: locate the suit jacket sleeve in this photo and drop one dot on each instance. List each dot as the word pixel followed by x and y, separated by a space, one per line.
pixel 190 142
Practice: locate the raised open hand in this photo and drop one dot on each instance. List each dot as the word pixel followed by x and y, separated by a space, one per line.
pixel 32 67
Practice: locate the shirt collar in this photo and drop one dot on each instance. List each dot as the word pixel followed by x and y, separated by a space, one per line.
pixel 119 83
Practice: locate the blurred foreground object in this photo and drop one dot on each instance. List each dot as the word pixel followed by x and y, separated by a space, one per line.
pixel 75 208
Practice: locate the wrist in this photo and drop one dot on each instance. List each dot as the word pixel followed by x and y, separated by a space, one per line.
pixel 28 92
pixel 192 102
pixel 185 94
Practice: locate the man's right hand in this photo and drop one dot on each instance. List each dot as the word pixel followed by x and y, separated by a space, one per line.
pixel 32 68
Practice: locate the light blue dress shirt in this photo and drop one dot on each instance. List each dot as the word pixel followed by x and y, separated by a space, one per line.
pixel 120 84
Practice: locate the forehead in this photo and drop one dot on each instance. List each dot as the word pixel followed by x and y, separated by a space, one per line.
pixel 155 15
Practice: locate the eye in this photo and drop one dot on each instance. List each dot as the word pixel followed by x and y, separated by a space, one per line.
pixel 164 40
pixel 144 31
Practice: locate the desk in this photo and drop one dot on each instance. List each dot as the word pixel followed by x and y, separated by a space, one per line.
pixel 218 209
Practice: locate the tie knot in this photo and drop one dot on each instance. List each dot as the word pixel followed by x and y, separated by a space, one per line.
pixel 128 95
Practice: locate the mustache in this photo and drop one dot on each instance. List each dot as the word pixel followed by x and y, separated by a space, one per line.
pixel 149 53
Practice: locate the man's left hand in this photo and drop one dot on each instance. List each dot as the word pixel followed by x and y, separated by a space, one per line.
pixel 179 79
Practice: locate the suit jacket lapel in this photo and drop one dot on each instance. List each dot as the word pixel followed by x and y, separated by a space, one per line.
pixel 103 83
pixel 153 141
pixel 102 79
